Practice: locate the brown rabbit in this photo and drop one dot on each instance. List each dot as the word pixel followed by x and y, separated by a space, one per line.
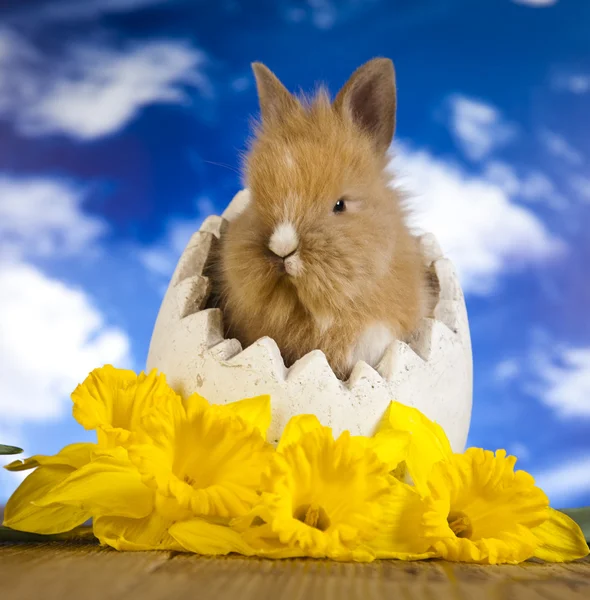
pixel 321 258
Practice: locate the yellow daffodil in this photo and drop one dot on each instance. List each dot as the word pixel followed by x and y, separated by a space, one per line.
pixel 480 510
pixel 185 475
pixel 208 460
pixel 474 507
pixel 162 470
pixel 320 497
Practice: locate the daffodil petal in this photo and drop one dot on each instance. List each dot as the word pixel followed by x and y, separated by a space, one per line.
pixel 270 548
pixel 73 455
pixel 162 421
pixel 297 426
pixel 112 401
pixel 23 464
pixel 511 547
pixel 95 398
pixel 255 411
pixel 560 539
pixel 425 431
pixel 195 404
pixel 197 535
pixel 109 485
pixel 391 447
pixel 263 540
pixel 400 534
pixel 23 514
pixel 149 533
pixel 428 445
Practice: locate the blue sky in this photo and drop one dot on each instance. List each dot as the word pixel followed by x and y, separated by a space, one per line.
pixel 120 127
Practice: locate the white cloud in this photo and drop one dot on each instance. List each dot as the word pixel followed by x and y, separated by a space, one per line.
pixel 533 186
pixel 581 185
pixel 92 91
pixel 520 450
pixel 578 84
pixel 52 337
pixel 575 82
pixel 241 84
pixel 42 217
pixel 507 370
pixel 161 258
pixel 566 483
pixel 536 3
pixel 323 13
pixel 477 225
pixel 478 127
pixel 558 146
pixel 51 333
pixel 296 15
pixel 75 10
pixel 564 375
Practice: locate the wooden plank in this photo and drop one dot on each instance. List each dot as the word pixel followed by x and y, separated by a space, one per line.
pixel 55 571
pixel 62 571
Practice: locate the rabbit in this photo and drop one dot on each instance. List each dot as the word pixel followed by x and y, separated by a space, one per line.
pixel 322 258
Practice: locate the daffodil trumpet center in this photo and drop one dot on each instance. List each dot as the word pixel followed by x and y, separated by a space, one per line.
pixel 400 472
pixel 313 515
pixel 460 524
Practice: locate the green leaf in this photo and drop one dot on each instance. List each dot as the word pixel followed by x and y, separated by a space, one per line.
pixel 582 517
pixel 9 449
pixel 78 534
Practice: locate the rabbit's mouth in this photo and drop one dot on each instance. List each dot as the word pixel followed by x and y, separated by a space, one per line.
pixel 293 265
pixel 277 262
pixel 290 265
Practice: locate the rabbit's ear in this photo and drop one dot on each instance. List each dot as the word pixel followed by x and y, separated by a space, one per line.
pixel 369 97
pixel 273 96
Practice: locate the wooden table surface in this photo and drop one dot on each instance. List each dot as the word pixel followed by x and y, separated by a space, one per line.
pixel 62 571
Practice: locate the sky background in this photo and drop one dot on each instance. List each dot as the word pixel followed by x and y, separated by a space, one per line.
pixel 120 127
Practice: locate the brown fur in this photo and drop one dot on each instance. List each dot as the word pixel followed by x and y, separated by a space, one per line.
pixel 360 267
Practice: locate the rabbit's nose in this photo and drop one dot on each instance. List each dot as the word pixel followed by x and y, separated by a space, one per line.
pixel 284 241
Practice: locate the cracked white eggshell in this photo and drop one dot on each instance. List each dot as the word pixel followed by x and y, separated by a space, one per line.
pixel 433 372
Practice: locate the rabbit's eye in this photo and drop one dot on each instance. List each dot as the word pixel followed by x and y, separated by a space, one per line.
pixel 340 206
